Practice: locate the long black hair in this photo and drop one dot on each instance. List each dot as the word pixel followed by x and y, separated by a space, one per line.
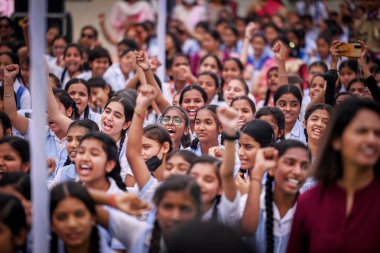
pixel 77 191
pixel 260 130
pixel 110 148
pixel 277 115
pixel 83 82
pixel 315 107
pixel 67 102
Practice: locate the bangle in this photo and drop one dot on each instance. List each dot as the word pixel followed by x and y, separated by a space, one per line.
pixel 139 114
pixel 256 179
pixel 112 200
pixel 9 95
pixel 231 137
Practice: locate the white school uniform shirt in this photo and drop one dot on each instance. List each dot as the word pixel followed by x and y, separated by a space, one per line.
pixel 25 101
pixel 115 78
pixel 297 133
pixel 124 164
pixel 94 116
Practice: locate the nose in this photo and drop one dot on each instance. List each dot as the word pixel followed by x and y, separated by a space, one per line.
pixel 71 222
pixel 287 107
pixel 74 143
pixel 176 215
pixel 240 113
pixel 240 151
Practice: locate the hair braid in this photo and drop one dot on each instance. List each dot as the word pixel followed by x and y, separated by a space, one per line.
pixel 155 239
pixel 214 216
pixel 269 214
pixel 67 162
pixel 194 144
pixel 94 240
pixel 54 243
pixel 86 112
pixel 122 139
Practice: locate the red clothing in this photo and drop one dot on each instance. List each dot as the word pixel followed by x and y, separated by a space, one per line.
pixel 320 223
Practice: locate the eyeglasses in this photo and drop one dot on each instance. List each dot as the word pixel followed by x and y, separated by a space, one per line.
pixel 176 120
pixel 88 36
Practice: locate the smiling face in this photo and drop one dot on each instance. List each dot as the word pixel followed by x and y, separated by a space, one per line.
pixel 73 59
pixel 10 160
pixel 192 101
pixel 313 71
pixel 209 64
pixel 234 89
pixel 231 71
pixel 359 144
pixel 72 222
pixel 207 179
pixel 316 124
pixel 91 163
pixel 247 151
pixel 113 120
pixel 317 85
pixel 174 209
pixel 291 171
pixel 79 93
pixel 59 47
pixel 99 96
pixel 176 165
pixel 244 110
pixel 290 106
pixel 357 88
pixel 206 127
pixel 73 138
pixel 170 121
pixel 67 112
pixel 126 63
pixel 207 83
pixel 99 66
pixel 346 75
pixel 273 81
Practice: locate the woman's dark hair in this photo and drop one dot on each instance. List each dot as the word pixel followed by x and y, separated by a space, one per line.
pixel 216 164
pixel 77 46
pixel 352 65
pixel 84 82
pixel 13 216
pixel 267 94
pixel 90 127
pixel 77 191
pixel 193 87
pixel 317 75
pixel 213 76
pixel 246 98
pixel 177 44
pixel 281 147
pixel 326 37
pixel 187 155
pixel 99 82
pixel 315 107
pixel 277 115
pixel 20 145
pixel 174 183
pixel 110 148
pixel 237 61
pixel 285 89
pixel 356 80
pixel 129 43
pixel 260 130
pixel 5 122
pixel 159 134
pixel 244 84
pixel 19 181
pixel 259 35
pixel 99 52
pixel 129 106
pixel 57 82
pixel 67 102
pixel 178 55
pixel 15 60
pixel 212 109
pixel 186 139
pixel 328 165
pixel 216 58
pixel 214 34
pixel 321 64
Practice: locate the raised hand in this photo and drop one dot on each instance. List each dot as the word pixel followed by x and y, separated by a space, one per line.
pixel 279 51
pixel 335 50
pixel 51 166
pixel 242 184
pixel 266 158
pixel 362 59
pixel 10 73
pixel 131 204
pixel 216 151
pixel 141 60
pixel 250 29
pixel 229 119
pixel 146 96
pixel 102 17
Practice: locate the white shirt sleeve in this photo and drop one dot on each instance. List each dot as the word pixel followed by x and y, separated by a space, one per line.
pixel 25 101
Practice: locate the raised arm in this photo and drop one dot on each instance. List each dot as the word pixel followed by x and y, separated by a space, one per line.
pixel 331 76
pixel 140 170
pixel 266 158
pixel 280 56
pixel 19 122
pixel 229 118
pixel 103 27
pixel 249 30
pixel 143 68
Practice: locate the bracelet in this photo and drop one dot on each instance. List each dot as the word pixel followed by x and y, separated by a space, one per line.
pixel 139 114
pixel 231 137
pixel 112 200
pixel 9 95
pixel 256 179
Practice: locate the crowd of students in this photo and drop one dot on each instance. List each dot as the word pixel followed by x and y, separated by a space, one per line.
pixel 260 132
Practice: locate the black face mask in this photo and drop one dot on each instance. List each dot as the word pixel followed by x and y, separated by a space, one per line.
pixel 153 163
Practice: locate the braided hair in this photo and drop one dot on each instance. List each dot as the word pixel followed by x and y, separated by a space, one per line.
pixel 77 191
pixel 84 83
pixel 269 213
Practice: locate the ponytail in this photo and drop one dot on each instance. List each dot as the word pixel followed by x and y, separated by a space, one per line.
pixel 269 214
pixel 155 239
pixel 214 215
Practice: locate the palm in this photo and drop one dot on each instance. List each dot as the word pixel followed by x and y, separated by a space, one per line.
pixel 228 117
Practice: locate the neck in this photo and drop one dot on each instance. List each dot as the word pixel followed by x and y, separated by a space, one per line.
pixel 159 172
pixel 206 207
pixel 283 201
pixel 206 146
pixel 176 144
pixel 73 74
pixel 355 177
pixel 179 85
pixel 60 134
pixel 313 146
pixel 289 127
pixel 116 137
pixel 100 184
pixel 82 248
pixel 192 123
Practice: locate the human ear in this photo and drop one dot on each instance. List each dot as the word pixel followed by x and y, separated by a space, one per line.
pixel 8 132
pixel 26 167
pixel 271 172
pixel 165 147
pixel 110 165
pixel 127 125
pixel 69 112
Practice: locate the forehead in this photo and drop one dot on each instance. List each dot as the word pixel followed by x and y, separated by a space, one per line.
pixel 205 78
pixel 173 112
pixel 178 198
pixel 203 169
pixel 77 87
pixel 88 30
pixel 177 159
pixel 230 64
pixel 318 79
pixel 298 154
pixel 72 50
pixel 245 138
pixel 288 97
pixel 235 83
pixel 193 93
pixel 146 140
pixel 321 113
pixel 77 130
pixel 205 114
pixel 7 148
pixel 209 60
pixel 241 103
pixel 366 118
pixel 180 60
pixel 116 106
pixel 70 204
pixel 92 143
pixel 5 58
